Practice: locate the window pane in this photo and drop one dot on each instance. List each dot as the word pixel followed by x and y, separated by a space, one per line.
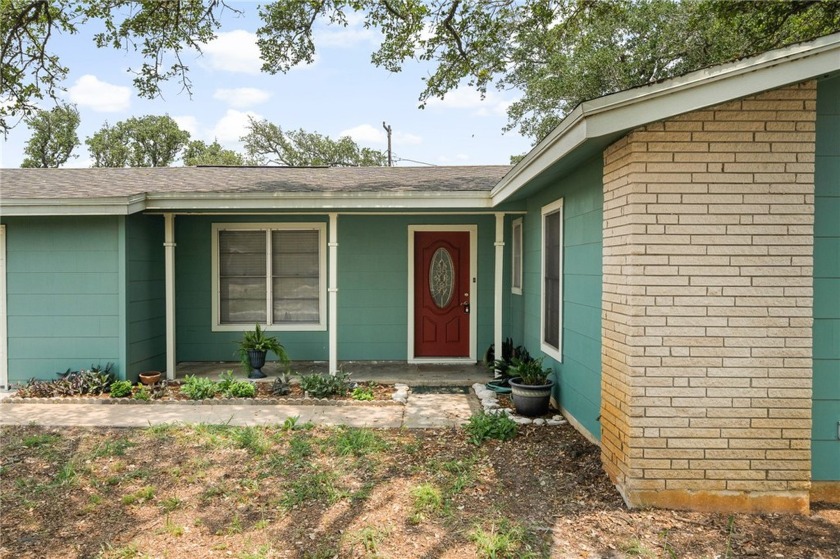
pixel 516 256
pixel 242 285
pixel 241 253
pixel 242 300
pixel 295 270
pixel 551 287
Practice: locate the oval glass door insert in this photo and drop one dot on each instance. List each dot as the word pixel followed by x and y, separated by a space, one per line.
pixel 442 278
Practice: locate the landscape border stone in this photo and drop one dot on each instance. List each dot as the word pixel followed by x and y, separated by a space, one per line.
pixel 490 403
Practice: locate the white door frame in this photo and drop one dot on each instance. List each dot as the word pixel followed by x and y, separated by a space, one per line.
pixel 4 340
pixel 473 231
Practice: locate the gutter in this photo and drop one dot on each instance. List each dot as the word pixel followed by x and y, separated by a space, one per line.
pixel 629 109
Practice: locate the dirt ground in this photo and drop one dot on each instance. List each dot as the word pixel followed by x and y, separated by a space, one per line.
pixel 206 491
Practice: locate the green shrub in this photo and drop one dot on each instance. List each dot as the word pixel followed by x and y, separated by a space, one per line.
pixel 232 388
pixel 483 426
pixel 323 386
pixel 143 394
pixel 198 388
pixel 241 389
pixel 362 393
pixel 121 389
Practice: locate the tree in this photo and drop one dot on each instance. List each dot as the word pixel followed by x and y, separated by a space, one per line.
pixel 555 52
pixel 161 30
pixel 200 153
pixel 268 143
pixel 147 141
pixel 53 138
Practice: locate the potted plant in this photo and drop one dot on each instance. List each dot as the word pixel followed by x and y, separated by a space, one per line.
pixel 501 367
pixel 253 349
pixel 530 386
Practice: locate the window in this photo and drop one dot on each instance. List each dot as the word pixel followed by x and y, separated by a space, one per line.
pixel 270 274
pixel 516 257
pixel 552 277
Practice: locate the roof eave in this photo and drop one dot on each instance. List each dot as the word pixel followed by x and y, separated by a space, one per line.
pixel 175 201
pixel 626 110
pixel 319 200
pixel 112 205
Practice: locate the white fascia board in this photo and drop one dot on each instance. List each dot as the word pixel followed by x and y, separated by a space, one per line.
pixel 632 108
pixel 319 200
pixel 118 205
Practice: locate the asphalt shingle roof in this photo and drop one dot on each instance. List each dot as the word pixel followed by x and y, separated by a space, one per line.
pixel 107 182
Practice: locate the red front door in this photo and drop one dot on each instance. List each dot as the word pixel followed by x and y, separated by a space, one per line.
pixel 441 294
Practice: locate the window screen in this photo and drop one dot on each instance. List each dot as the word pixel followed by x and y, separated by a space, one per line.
pixel 551 286
pixel 242 285
pixel 295 276
pixel 270 276
pixel 516 257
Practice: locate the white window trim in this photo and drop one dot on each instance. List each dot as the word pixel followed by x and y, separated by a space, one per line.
pixel 516 271
pixel 217 326
pixel 555 353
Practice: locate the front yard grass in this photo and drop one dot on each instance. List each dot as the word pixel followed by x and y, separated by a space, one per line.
pixel 304 492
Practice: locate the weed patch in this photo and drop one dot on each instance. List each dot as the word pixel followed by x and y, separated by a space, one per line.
pixel 483 426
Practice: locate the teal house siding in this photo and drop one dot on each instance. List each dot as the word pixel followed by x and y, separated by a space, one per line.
pixel 579 375
pixel 372 288
pixel 145 295
pixel 826 388
pixel 64 287
pixel 195 340
pixel 373 283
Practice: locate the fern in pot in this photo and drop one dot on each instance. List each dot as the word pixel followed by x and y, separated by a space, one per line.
pixel 530 386
pixel 254 347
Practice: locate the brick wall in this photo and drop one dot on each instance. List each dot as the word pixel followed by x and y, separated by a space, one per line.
pixel 707 306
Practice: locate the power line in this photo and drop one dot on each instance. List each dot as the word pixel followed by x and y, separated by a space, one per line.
pixel 414 161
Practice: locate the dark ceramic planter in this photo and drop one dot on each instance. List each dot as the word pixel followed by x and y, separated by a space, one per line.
pixel 256 358
pixel 530 400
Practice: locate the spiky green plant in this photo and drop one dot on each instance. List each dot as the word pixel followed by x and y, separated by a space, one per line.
pixel 257 339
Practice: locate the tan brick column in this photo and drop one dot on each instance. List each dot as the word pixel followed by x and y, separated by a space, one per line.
pixel 707 306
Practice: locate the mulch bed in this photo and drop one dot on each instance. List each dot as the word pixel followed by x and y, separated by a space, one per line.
pixel 169 391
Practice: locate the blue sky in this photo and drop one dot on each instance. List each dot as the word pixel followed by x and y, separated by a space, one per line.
pixel 342 93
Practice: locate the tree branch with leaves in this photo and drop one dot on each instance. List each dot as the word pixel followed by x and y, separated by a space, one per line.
pixel 268 143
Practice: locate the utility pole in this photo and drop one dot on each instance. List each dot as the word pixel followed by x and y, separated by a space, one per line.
pixel 388 130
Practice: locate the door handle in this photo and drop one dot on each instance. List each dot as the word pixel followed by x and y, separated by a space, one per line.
pixel 466 308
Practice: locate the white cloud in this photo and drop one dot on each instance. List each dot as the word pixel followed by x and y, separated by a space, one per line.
pixel 368 135
pixel 406 139
pixel 234 51
pixel 242 97
pixel 92 93
pixel 233 125
pixel 188 123
pixel 354 34
pixel 365 134
pixel 470 99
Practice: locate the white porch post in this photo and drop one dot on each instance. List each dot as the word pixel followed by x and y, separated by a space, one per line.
pixel 497 283
pixel 333 294
pixel 169 268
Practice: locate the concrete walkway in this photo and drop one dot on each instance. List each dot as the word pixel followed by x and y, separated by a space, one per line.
pixel 421 411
